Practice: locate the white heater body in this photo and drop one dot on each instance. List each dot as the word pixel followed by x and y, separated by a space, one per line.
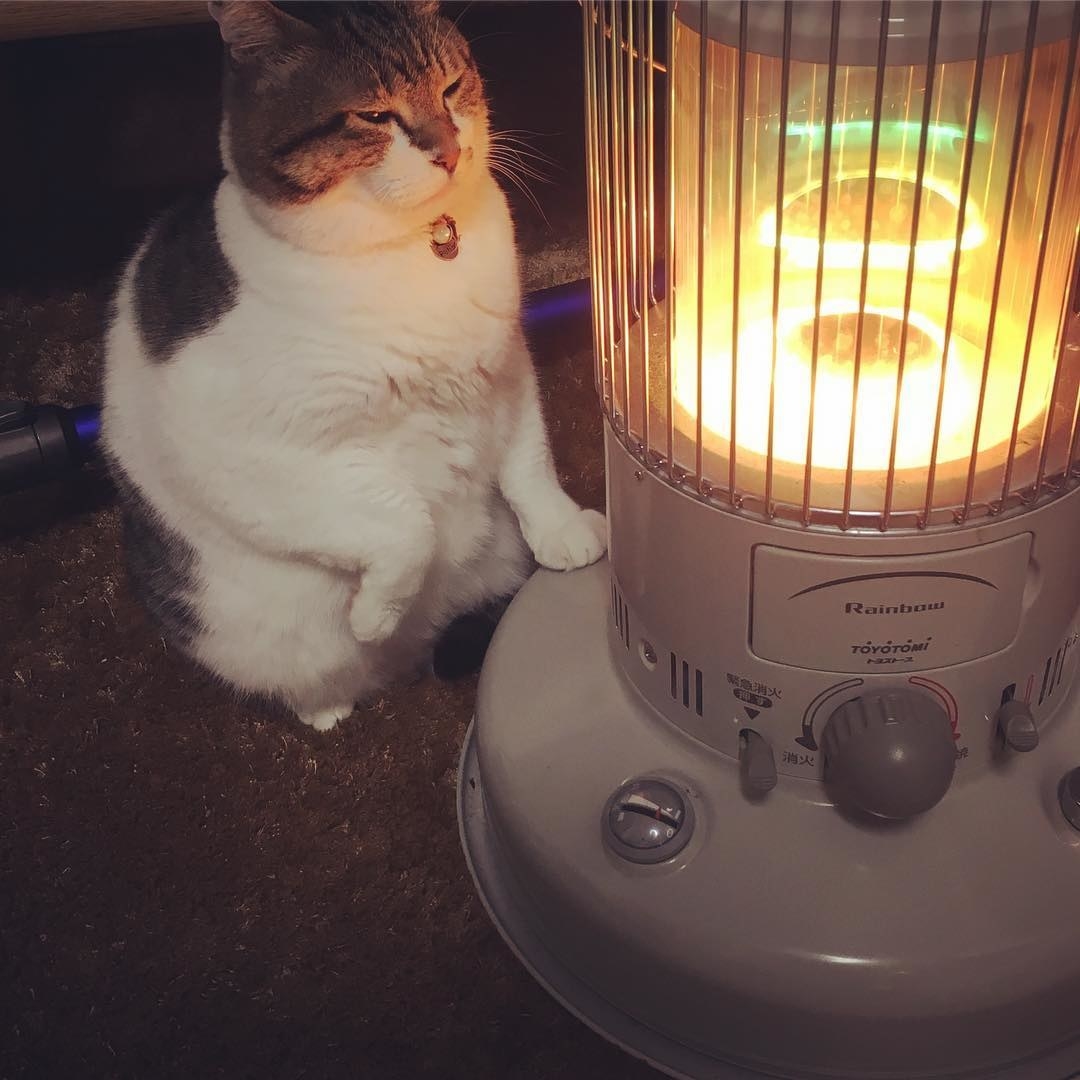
pixel 789 785
pixel 779 626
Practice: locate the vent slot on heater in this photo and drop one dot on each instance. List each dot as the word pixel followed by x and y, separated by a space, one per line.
pixel 1052 672
pixel 621 615
pixel 683 688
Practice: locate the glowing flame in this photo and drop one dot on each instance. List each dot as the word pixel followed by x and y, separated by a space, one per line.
pixel 934 254
pixel 828 398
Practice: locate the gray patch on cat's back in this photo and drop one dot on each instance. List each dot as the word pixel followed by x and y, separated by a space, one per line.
pixel 184 283
pixel 162 565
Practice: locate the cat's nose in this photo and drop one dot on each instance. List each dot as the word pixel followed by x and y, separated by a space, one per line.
pixel 447 156
pixel 438 138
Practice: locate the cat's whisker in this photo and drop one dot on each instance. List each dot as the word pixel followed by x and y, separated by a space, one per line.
pixel 509 135
pixel 503 139
pixel 517 154
pixel 520 184
pixel 528 152
pixel 535 171
pixel 454 24
pixel 464 11
pixel 494 33
pixel 527 131
pixel 510 170
pixel 524 174
pixel 532 199
pixel 501 169
pixel 522 168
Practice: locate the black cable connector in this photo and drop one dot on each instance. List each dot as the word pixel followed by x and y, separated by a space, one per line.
pixel 40 442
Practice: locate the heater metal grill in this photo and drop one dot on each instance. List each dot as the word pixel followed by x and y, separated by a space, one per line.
pixel 834 245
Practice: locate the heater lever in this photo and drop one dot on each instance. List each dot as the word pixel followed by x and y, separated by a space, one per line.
pixel 1017 726
pixel 756 763
pixel 640 804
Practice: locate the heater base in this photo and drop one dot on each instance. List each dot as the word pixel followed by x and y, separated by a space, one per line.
pixel 506 912
pixel 784 939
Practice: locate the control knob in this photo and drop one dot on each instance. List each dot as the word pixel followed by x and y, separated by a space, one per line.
pixel 889 754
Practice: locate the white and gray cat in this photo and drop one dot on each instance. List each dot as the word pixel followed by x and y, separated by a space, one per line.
pixel 325 432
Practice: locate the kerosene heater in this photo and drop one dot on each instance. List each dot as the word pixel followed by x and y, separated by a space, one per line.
pixel 791 784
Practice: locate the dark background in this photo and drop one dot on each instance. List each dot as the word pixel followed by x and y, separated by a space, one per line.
pixel 190 887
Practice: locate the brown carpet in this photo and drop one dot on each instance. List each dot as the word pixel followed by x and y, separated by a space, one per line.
pixel 189 887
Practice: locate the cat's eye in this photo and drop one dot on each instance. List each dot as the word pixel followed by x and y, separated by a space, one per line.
pixel 453 88
pixel 376 117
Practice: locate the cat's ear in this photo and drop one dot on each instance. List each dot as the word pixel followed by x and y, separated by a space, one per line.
pixel 255 28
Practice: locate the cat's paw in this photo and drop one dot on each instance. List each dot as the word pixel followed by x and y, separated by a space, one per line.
pixel 371 618
pixel 325 719
pixel 575 542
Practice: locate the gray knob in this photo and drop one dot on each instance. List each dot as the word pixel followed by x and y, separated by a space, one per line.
pixel 1017 726
pixel 1069 797
pixel 647 821
pixel 889 754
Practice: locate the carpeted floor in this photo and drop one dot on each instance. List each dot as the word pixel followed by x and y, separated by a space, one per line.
pixel 188 887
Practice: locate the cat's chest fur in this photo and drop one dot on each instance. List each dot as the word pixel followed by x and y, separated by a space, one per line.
pixel 398 346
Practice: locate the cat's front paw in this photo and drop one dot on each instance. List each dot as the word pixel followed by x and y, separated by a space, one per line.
pixel 371 618
pixel 578 541
pixel 325 719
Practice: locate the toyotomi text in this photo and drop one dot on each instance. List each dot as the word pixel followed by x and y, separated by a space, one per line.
pixel 891 648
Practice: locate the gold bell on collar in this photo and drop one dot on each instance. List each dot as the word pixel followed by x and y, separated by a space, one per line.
pixel 444 237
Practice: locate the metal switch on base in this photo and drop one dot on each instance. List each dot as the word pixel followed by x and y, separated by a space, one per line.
pixel 1017 726
pixel 756 763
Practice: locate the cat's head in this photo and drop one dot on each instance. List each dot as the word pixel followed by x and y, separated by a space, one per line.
pixel 381 101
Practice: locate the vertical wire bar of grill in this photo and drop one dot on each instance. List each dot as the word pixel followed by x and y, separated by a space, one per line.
pixel 703 168
pixel 618 184
pixel 1051 196
pixel 669 242
pixel 920 172
pixel 907 119
pixel 1037 195
pixel 843 126
pixel 736 245
pixel 609 279
pixel 999 270
pixel 607 283
pixel 650 153
pixel 868 226
pixel 642 223
pixel 612 284
pixel 965 183
pixel 823 221
pixel 628 105
pixel 1072 313
pixel 592 100
pixel 627 203
pixel 811 117
pixel 785 85
pixel 995 128
pixel 939 104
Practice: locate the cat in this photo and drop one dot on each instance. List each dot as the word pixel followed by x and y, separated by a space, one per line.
pixel 320 409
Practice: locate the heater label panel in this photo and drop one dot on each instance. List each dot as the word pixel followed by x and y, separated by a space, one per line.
pixel 891 614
